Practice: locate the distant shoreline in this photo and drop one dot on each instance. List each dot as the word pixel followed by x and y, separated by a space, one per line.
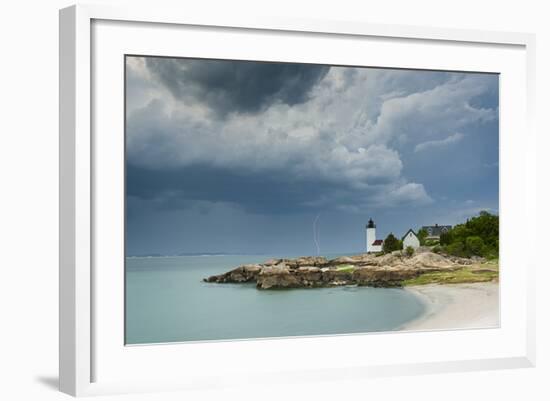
pixel 456 306
pixel 193 254
pixel 264 255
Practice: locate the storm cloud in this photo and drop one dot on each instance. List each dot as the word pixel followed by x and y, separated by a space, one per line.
pixel 237 86
pixel 227 138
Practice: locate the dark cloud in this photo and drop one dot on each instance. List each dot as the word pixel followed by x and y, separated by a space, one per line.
pixel 237 86
pixel 274 192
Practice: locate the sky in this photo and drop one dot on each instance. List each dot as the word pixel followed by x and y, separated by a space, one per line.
pixel 242 157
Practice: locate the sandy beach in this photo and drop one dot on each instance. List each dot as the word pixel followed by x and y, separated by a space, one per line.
pixel 457 306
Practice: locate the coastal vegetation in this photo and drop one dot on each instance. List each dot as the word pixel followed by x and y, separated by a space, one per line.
pixel 422 234
pixel 478 236
pixel 470 274
pixel 345 268
pixel 391 244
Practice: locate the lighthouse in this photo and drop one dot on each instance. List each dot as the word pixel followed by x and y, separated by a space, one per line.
pixel 372 244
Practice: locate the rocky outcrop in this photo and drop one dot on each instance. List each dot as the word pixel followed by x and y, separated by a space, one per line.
pixel 242 274
pixel 365 270
pixel 298 262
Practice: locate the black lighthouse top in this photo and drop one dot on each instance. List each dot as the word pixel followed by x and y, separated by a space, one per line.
pixel 371 224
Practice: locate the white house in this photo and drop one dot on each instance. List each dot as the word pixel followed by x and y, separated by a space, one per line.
pixel 410 239
pixel 372 244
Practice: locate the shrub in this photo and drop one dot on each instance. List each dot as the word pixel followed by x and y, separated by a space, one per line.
pixel 489 252
pixel 474 246
pixel 409 251
pixel 422 234
pixel 446 238
pixel 456 249
pixel 436 249
pixel 478 236
pixel 391 244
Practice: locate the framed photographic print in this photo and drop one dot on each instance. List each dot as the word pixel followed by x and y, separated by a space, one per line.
pixel 238 193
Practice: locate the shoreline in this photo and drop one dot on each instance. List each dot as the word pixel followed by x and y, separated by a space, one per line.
pixel 394 269
pixel 456 306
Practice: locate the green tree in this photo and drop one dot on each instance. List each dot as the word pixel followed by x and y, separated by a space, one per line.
pixel 422 234
pixel 445 238
pixel 478 236
pixel 391 243
pixel 474 245
pixel 456 248
pixel 409 251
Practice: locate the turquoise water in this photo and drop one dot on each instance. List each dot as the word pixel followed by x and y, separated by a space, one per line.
pixel 166 301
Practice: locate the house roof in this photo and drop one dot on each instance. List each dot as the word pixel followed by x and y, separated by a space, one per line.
pixel 407 233
pixel 377 242
pixel 437 230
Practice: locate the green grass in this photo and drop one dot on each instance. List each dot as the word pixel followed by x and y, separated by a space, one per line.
pixel 467 275
pixel 345 268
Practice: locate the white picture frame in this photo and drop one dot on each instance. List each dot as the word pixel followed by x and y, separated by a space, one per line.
pixel 89 335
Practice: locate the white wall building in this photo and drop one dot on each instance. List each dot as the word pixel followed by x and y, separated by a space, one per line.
pixel 410 239
pixel 372 244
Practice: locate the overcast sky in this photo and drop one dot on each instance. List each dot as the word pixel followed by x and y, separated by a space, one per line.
pixel 241 157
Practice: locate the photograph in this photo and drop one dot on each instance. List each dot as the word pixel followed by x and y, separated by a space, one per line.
pixel 268 199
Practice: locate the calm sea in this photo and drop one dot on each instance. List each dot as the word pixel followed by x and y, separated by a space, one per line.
pixel 166 301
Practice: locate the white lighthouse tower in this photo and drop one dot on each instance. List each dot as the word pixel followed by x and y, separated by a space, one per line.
pixel 372 244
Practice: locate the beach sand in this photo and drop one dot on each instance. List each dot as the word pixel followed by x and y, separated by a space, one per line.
pixel 457 306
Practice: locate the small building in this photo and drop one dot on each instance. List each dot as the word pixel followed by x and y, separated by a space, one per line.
pixel 372 244
pixel 410 239
pixel 434 232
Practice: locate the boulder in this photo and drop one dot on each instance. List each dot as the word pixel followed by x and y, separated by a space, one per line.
pixel 278 276
pixel 343 260
pixel 429 260
pixel 383 277
pixel 388 260
pixel 241 274
pixel 306 261
pixel 309 276
pixel 271 262
pixel 333 276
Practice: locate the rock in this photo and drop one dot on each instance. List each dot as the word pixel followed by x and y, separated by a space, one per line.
pixel 383 277
pixel 242 274
pixel 429 260
pixel 271 262
pixel 343 276
pixel 307 261
pixel 388 260
pixel 363 259
pixel 460 261
pixel 366 269
pixel 423 249
pixel 278 276
pixel 343 260
pixel 309 276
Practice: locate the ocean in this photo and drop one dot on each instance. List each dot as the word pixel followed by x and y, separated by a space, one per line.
pixel 167 301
